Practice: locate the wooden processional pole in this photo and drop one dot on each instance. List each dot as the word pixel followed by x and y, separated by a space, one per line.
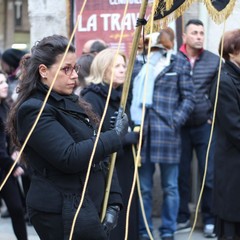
pixel 126 86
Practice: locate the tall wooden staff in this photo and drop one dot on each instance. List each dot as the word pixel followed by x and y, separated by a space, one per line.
pixel 123 101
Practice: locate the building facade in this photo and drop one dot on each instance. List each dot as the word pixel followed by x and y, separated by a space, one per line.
pixel 14 24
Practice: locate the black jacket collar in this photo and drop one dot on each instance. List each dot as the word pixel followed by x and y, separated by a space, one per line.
pixel 102 89
pixel 232 69
pixel 64 102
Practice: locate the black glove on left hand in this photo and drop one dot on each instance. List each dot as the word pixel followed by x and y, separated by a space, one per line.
pixel 119 122
pixel 113 120
pixel 111 218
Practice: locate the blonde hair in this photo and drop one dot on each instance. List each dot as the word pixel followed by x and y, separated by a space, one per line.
pixel 101 63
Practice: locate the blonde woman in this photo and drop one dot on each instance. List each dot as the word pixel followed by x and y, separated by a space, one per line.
pixel 109 65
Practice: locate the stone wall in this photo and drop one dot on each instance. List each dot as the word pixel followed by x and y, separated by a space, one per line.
pixel 2 23
pixel 47 18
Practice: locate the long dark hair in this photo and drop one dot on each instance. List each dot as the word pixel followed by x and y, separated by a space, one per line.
pixel 44 52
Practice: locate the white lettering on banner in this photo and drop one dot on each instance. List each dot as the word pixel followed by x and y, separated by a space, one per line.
pixel 110 22
pixel 118 2
pixel 91 24
pixel 130 21
pixel 105 20
pixel 114 21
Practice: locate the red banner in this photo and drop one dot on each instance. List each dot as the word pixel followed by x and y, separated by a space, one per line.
pixel 104 20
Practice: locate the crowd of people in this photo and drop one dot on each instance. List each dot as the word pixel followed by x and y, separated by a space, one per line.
pixel 69 141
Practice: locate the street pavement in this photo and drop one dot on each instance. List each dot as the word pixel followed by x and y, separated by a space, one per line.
pixel 6 232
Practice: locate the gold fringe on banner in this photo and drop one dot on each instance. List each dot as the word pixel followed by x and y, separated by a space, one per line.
pixel 172 16
pixel 169 4
pixel 163 6
pixel 155 27
pixel 219 16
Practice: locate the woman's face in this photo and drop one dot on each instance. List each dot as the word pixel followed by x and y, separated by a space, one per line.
pixel 119 72
pixel 3 86
pixel 67 77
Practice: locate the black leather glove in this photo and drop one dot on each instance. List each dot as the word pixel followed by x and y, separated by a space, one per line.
pixel 121 123
pixel 111 218
pixel 113 120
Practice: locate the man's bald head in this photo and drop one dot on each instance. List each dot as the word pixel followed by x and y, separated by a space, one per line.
pixel 94 46
pixel 87 46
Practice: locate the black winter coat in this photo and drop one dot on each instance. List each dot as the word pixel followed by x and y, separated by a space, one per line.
pixel 59 149
pixel 227 153
pixel 96 94
pixel 6 161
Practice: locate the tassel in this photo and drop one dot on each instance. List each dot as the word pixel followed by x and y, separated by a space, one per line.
pixel 219 16
pixel 163 22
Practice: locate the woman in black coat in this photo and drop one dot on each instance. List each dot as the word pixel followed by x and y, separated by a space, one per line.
pixel 96 93
pixel 60 146
pixel 10 191
pixel 227 155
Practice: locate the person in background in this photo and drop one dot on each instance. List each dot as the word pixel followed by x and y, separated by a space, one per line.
pixel 140 61
pixel 93 46
pixel 141 56
pixel 61 145
pixel 84 61
pixel 226 195
pixel 169 102
pixel 96 93
pixel 21 70
pixel 90 49
pixel 157 50
pixel 98 46
pixel 10 192
pixel 10 65
pixel 196 131
pixel 25 178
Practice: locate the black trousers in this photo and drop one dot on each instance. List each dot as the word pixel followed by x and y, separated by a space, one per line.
pixel 47 225
pixel 11 195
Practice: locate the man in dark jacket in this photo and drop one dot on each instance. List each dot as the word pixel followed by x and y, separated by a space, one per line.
pixel 195 133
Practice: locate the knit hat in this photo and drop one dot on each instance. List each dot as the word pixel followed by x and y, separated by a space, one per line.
pixel 12 57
